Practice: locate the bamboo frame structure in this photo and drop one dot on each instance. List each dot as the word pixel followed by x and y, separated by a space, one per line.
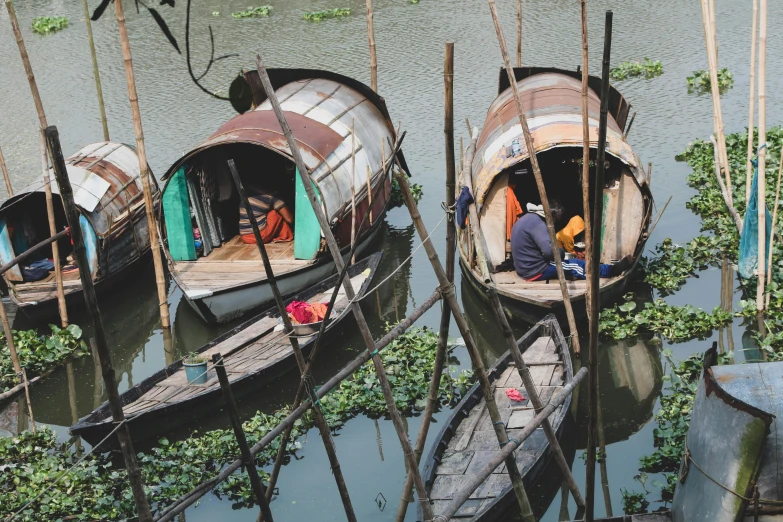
pixel 371 40
pixel 586 156
pixel 761 203
pixel 101 344
pixel 539 179
pixel 95 72
pixel 8 188
pixel 751 102
pixel 39 109
pixel 144 172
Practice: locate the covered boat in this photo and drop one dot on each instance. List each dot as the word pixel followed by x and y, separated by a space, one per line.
pixel 468 440
pixel 224 277
pixel 501 172
pixel 110 200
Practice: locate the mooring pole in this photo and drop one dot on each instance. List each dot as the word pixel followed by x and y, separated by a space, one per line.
pixel 320 421
pixel 371 40
pixel 8 188
pixel 101 344
pixel 772 230
pixel 349 292
pixel 586 158
pixel 44 156
pixel 445 317
pixel 95 73
pixel 144 172
pixel 519 33
pixel 761 202
pixel 751 102
pixel 21 375
pixel 602 448
pixel 239 433
pixel 550 225
pixel 598 210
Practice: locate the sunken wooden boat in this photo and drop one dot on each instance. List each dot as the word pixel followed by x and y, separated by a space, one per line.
pixel 501 170
pixel 255 353
pixel 468 441
pixel 110 200
pixel 226 278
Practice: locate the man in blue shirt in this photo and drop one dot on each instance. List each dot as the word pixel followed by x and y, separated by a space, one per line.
pixel 532 253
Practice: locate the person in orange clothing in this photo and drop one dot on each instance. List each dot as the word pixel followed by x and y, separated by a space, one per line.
pixel 273 216
pixel 571 234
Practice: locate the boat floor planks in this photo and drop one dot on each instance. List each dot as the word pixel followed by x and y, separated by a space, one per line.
pixel 468 441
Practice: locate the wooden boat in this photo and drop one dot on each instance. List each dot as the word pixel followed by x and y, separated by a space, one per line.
pixel 108 194
pixel 501 166
pixel 468 440
pixel 255 353
pixel 227 279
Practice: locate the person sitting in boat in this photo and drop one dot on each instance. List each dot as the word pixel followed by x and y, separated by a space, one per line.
pixel 571 237
pixel 274 219
pixel 532 253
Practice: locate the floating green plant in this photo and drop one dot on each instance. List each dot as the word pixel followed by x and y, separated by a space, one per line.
pixel 253 12
pixel 699 81
pixel 49 24
pixel 317 16
pixel 645 69
pixel 396 194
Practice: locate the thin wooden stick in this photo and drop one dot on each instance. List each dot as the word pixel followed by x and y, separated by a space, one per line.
pixel 95 72
pixel 751 102
pixel 586 161
pixel 349 291
pixel 519 33
pixel 101 344
pixel 724 190
pixel 353 188
pixel 58 271
pixel 8 188
pixel 762 159
pixel 44 154
pixel 371 39
pixel 369 194
pixel 602 448
pixel 539 179
pixel 21 375
pixel 144 172
pixel 774 223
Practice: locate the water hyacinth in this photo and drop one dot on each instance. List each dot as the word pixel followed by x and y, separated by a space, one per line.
pixel 253 12
pixel 49 24
pixel 317 16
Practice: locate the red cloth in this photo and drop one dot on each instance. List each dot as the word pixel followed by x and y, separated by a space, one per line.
pixel 276 229
pixel 305 313
pixel 514 395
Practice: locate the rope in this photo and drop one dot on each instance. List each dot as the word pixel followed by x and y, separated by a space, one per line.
pixel 357 298
pixel 17 513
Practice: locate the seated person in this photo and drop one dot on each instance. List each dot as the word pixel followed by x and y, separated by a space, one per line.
pixel 273 216
pixel 572 235
pixel 532 253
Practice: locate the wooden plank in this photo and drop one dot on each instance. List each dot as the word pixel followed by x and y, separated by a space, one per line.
pixel 455 463
pixel 480 459
pixel 444 486
pixel 542 375
pixel 469 425
pixel 493 486
pixel 488 440
pixel 542 351
pixel 520 418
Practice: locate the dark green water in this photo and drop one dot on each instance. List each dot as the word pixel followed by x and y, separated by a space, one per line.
pixel 410 38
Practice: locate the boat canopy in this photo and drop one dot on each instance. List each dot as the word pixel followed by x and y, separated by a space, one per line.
pixel 553 108
pixel 320 112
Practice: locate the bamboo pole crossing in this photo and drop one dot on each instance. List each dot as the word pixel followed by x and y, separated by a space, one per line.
pixel 761 202
pixel 95 72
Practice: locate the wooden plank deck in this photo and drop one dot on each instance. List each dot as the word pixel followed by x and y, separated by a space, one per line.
pixel 475 443
pixel 256 347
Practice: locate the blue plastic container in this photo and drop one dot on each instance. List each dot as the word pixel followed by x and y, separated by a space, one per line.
pixel 196 373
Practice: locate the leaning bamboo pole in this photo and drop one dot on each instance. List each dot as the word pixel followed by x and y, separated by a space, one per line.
pixel 349 291
pixel 586 157
pixel 8 188
pixel 95 73
pixel 371 40
pixel 751 102
pixel 550 225
pixel 144 172
pixel 774 222
pixel 21 375
pixel 44 157
pixel 519 33
pixel 761 203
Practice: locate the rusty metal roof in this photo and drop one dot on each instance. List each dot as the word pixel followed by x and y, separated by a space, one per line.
pixel 553 108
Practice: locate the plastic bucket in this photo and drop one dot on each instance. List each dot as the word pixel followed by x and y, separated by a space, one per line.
pixel 196 373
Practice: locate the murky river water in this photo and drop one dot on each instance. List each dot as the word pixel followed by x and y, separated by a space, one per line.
pixel 177 115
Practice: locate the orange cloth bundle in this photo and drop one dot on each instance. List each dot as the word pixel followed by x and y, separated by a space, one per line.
pixel 306 313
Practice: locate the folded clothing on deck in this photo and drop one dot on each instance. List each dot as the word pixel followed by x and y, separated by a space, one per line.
pixel 37 270
pixel 306 313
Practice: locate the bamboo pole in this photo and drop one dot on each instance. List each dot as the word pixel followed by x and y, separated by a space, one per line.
pixel 144 172
pixel 320 421
pixel 586 159
pixel 712 60
pixel 371 39
pixel 445 317
pixel 593 282
pixel 21 375
pixel 519 33
pixel 239 434
pixel 751 102
pixel 774 223
pixel 369 194
pixel 353 187
pixel 8 188
pixel 44 154
pixel 101 344
pixel 762 158
pixel 724 190
pixel 460 496
pixel 602 448
pixel 539 179
pixel 58 271
pixel 95 73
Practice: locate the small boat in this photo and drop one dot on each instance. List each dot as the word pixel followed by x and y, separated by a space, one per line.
pixel 255 353
pixel 468 441
pixel 501 170
pixel 110 200
pixel 225 278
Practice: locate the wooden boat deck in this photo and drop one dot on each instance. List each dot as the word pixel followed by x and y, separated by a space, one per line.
pixel 234 264
pixel 38 291
pixel 240 356
pixel 474 442
pixel 543 292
